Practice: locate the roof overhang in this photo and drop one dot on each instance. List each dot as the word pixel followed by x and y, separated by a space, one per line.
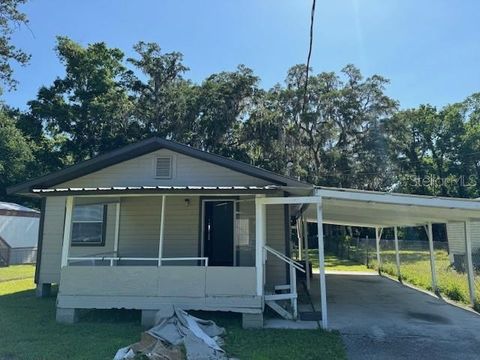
pixel 159 190
pixel 371 209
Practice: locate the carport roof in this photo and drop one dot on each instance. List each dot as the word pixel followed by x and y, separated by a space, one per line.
pixel 371 208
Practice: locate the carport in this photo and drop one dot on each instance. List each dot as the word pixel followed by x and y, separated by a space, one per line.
pixel 380 210
pixel 379 318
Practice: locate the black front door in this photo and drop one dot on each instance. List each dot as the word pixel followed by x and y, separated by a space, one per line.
pixel 218 232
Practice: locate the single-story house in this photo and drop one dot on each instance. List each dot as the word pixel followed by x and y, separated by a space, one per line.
pixel 18 234
pixel 158 223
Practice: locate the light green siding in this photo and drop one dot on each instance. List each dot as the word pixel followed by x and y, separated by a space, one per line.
pixel 276 268
pixel 182 227
pixel 52 240
pixel 187 171
pixel 139 226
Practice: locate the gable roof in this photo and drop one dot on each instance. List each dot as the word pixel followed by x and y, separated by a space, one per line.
pixel 144 147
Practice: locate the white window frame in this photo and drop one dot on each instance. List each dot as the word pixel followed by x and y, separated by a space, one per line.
pixel 103 222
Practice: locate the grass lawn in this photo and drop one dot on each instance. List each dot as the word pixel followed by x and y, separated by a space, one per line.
pixel 415 269
pixel 29 331
pixel 334 263
pixel 17 272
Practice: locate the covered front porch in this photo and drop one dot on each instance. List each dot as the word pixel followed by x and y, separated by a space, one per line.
pixel 195 250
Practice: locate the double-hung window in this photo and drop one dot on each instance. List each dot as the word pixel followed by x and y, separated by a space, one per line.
pixel 88 225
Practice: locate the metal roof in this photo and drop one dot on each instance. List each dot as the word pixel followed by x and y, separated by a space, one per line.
pixel 156 189
pixel 372 208
pixel 15 207
pixel 387 193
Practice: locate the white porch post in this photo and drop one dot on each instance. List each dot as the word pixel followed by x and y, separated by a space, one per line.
pixel 260 231
pixel 307 255
pixel 117 231
pixel 378 235
pixel 67 230
pixel 397 253
pixel 321 263
pixel 432 256
pixel 468 255
pixel 162 223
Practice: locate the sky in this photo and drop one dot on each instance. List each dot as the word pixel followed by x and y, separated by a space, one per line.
pixel 429 49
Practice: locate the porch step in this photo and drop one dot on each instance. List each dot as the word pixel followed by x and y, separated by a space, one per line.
pixel 282 287
pixel 276 297
pixel 278 309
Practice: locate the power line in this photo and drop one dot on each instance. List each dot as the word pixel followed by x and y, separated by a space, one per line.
pixel 310 46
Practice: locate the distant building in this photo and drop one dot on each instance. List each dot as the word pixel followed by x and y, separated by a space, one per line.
pixel 18 234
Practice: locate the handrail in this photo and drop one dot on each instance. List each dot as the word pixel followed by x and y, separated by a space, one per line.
pixel 101 254
pixel 120 258
pixel 285 258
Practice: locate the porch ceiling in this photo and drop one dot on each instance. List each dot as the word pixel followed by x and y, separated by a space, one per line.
pixel 369 209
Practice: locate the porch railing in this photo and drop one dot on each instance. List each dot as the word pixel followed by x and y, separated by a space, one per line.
pixel 113 259
pixel 292 287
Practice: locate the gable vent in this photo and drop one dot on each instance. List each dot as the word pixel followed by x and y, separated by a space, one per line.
pixel 163 168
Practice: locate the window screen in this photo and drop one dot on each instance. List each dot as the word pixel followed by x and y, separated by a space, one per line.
pixel 88 224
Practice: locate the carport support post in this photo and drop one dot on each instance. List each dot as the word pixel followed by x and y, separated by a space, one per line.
pixel 432 256
pixel 321 264
pixel 468 253
pixel 397 253
pixel 377 245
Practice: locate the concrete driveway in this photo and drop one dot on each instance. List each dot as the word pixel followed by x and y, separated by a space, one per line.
pixel 382 319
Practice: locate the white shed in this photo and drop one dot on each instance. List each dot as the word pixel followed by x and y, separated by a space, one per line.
pixel 456 240
pixel 18 234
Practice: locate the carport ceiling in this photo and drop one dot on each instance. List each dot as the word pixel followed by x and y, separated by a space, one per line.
pixel 369 209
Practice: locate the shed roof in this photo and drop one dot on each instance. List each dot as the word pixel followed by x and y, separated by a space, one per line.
pixel 370 208
pixel 12 209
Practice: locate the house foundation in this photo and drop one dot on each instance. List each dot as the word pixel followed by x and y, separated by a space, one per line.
pixel 43 290
pixel 252 321
pixel 67 316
